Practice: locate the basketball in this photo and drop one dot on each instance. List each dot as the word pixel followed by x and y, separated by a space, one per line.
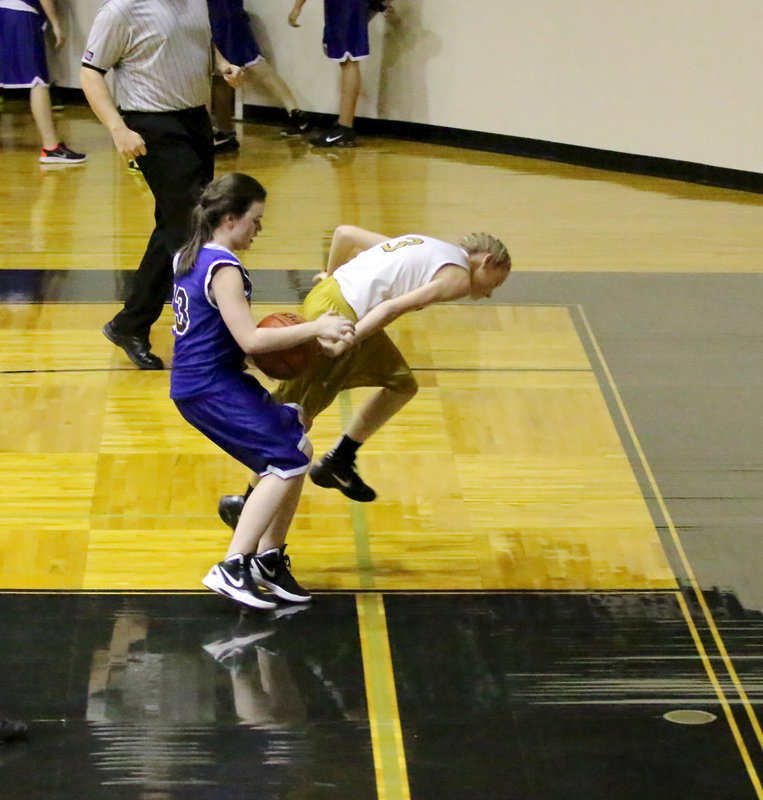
pixel 284 364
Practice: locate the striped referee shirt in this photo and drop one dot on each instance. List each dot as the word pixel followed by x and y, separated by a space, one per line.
pixel 160 51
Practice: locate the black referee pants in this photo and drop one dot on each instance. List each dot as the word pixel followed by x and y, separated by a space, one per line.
pixel 178 164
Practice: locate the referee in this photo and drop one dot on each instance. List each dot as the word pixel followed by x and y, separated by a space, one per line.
pixel 162 55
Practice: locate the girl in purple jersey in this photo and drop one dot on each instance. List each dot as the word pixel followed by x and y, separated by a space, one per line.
pixel 214 331
pixel 23 65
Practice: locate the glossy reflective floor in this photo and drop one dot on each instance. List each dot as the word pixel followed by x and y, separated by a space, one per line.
pixel 557 593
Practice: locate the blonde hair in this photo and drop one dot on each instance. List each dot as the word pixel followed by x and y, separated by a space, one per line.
pixel 485 243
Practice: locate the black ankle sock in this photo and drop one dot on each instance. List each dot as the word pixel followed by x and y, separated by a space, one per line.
pixel 346 449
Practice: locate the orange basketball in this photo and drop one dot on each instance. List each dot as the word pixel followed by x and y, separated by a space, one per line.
pixel 284 364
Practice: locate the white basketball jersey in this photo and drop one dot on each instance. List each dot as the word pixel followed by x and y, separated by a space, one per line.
pixel 394 268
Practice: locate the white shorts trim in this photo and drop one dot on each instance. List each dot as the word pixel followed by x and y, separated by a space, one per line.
pixel 348 57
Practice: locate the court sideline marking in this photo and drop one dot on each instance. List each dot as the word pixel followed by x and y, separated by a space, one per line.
pixel 692 581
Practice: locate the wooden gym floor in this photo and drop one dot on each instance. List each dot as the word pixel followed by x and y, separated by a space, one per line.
pixel 557 593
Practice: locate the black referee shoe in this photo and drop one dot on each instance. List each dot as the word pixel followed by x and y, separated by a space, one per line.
pixel 137 348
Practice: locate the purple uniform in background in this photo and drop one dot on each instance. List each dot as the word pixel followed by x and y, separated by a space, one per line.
pixel 345 31
pixel 232 32
pixel 211 389
pixel 22 46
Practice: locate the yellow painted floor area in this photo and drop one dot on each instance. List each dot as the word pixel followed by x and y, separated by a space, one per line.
pixel 505 472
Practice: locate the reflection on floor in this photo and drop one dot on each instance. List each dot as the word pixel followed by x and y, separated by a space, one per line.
pixel 170 697
pixel 558 697
pixel 549 696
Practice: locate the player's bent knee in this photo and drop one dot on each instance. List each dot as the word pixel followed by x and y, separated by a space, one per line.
pixel 307 448
pixel 407 388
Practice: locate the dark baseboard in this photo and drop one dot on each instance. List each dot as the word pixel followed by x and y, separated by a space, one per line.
pixel 536 148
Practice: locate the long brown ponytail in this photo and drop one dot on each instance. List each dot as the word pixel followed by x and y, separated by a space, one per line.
pixel 231 194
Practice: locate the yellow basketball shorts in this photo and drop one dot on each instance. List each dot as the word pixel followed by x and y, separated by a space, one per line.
pixel 375 361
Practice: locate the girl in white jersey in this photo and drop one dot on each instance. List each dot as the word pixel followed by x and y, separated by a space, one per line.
pixel 372 280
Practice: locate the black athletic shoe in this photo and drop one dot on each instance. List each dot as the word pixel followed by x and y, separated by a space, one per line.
pixel 299 123
pixel 225 142
pixel 331 473
pixel 232 578
pixel 230 507
pixel 338 136
pixel 61 154
pixel 12 730
pixel 272 569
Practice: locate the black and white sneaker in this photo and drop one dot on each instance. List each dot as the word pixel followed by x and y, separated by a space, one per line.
pixel 225 142
pixel 230 507
pixel 61 154
pixel 331 473
pixel 299 123
pixel 272 570
pixel 338 136
pixel 232 578
pixel 230 651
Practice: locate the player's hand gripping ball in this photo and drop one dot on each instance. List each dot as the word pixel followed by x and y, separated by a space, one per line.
pixel 284 364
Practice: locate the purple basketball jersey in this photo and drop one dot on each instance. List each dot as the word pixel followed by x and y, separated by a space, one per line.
pixel 205 352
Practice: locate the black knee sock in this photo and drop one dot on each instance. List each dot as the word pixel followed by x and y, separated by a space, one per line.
pixel 345 449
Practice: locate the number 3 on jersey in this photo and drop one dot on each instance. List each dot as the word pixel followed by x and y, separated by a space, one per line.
pixel 390 247
pixel 180 306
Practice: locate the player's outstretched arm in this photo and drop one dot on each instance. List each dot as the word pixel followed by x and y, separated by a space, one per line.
pixel 228 293
pixel 450 283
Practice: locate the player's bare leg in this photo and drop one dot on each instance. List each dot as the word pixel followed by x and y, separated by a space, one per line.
pixel 264 74
pixel 264 522
pixel 349 88
pixel 378 409
pixel 39 103
pixel 337 470
pixel 261 509
pixel 269 566
pixel 342 133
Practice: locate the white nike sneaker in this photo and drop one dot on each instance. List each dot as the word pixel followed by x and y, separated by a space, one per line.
pixel 231 652
pixel 272 569
pixel 232 578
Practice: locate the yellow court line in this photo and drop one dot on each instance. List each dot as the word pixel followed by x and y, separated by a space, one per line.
pixel 381 695
pixel 729 714
pixel 384 721
pixel 692 579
